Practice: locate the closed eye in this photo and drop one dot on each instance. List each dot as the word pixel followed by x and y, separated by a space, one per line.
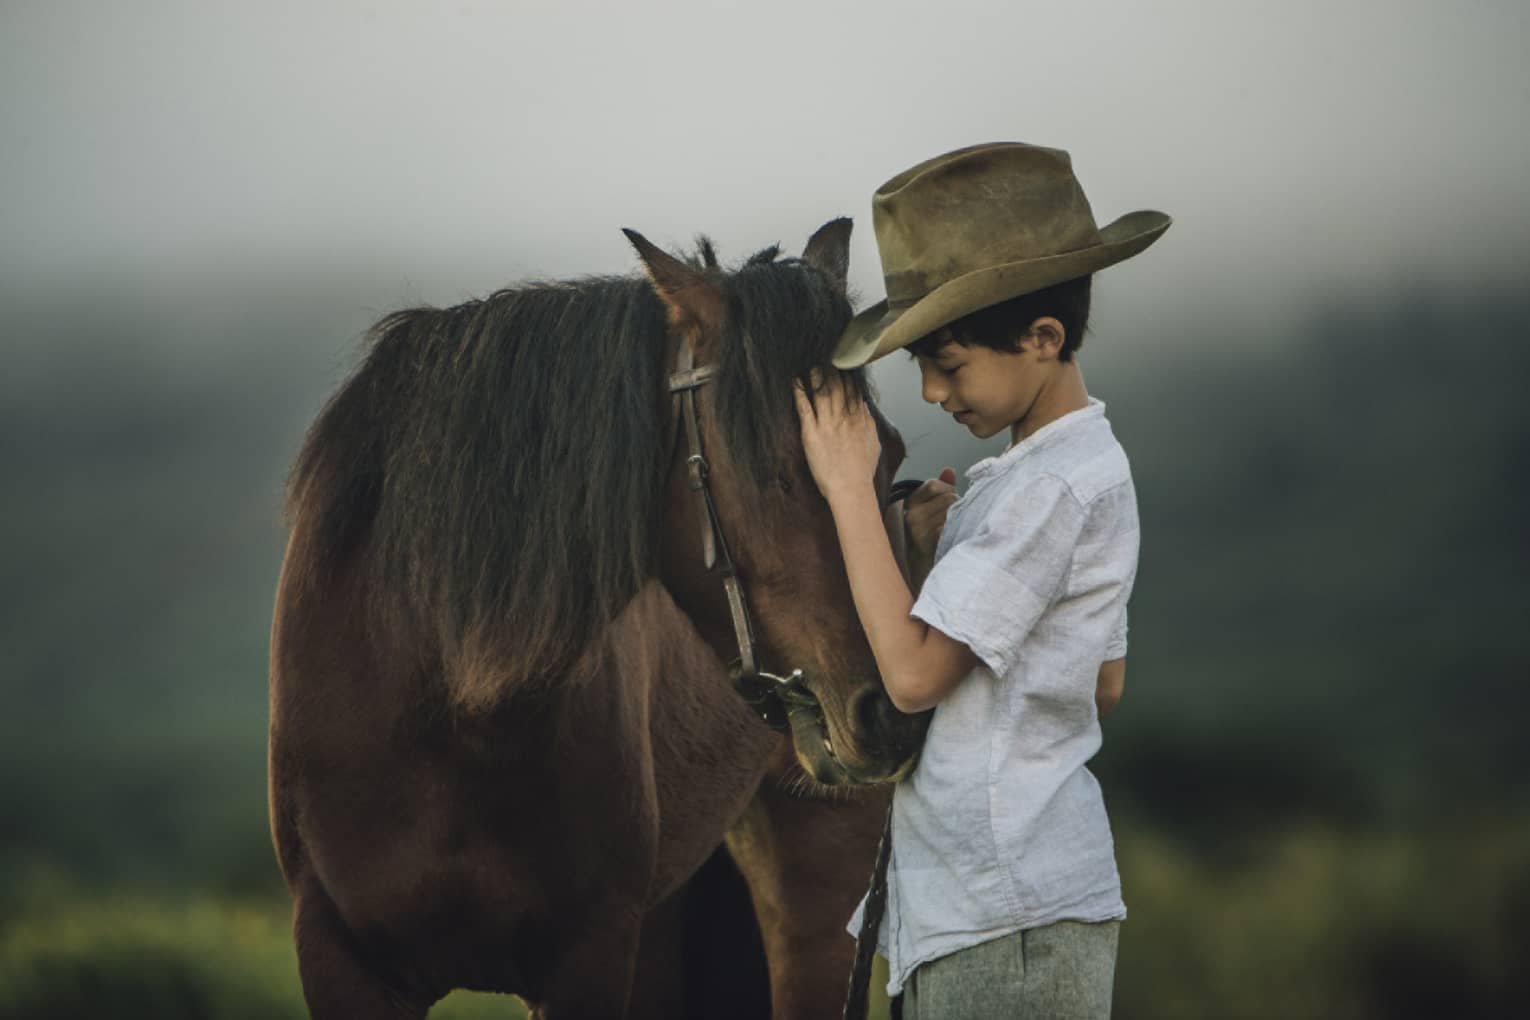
pixel 946 368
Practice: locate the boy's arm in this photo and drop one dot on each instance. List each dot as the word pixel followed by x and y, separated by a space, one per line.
pixel 1109 685
pixel 1112 678
pixel 919 664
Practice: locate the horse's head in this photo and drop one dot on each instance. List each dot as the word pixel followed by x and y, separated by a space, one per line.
pixel 770 322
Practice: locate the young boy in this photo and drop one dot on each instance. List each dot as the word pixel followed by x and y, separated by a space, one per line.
pixel 1003 896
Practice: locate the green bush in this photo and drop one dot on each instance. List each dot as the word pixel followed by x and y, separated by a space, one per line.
pixel 139 959
pixel 1319 922
pixel 200 961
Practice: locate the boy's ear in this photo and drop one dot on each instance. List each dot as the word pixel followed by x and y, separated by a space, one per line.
pixel 692 300
pixel 1048 335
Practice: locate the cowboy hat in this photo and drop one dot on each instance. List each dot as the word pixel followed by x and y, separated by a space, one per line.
pixel 977 226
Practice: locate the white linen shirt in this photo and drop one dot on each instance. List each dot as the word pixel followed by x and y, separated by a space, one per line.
pixel 1000 827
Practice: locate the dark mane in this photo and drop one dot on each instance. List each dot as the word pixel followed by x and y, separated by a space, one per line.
pixel 498 466
pixel 786 317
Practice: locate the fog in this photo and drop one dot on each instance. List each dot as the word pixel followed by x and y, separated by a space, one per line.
pixel 1316 374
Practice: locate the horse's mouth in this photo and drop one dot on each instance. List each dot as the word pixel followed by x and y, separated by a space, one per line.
pixel 832 765
pixel 828 749
pixel 813 742
pixel 815 747
pixel 825 739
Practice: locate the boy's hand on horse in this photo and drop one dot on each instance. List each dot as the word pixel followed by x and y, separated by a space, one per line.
pixel 839 437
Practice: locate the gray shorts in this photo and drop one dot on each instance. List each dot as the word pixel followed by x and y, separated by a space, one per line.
pixel 1061 971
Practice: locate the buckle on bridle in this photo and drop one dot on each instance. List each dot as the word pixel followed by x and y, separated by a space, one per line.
pixel 774 697
pixel 696 474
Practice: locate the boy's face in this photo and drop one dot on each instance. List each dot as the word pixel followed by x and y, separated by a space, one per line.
pixel 986 390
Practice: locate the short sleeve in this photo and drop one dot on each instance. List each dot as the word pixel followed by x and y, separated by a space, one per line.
pixel 1115 648
pixel 990 588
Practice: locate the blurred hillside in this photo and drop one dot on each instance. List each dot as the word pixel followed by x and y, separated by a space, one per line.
pixel 1329 648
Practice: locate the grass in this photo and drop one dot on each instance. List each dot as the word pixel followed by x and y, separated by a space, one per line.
pixel 219 961
pixel 210 960
pixel 1311 921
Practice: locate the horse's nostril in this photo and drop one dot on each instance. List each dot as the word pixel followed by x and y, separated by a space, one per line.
pixel 874 712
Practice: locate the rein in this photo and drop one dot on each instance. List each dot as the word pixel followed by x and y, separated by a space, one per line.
pixel 772 696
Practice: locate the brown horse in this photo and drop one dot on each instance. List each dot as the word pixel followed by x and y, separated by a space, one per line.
pixel 504 739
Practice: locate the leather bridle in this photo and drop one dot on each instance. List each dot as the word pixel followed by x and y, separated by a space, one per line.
pixel 774 697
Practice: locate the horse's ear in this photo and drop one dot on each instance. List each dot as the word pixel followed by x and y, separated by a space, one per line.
pixel 692 299
pixel 829 250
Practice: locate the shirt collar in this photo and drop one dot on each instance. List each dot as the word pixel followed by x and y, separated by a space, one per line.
pixel 1041 438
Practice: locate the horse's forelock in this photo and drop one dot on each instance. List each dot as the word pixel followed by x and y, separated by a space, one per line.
pixel 786 319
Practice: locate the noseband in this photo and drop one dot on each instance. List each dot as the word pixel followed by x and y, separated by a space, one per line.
pixel 773 697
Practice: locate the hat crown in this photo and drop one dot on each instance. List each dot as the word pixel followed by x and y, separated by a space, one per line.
pixel 977 207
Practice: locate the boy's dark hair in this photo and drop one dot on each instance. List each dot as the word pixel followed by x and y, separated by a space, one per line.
pixel 1000 326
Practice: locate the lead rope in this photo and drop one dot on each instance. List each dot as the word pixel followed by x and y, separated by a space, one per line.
pixel 871 923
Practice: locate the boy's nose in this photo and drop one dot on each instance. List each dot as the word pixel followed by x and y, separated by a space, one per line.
pixel 932 388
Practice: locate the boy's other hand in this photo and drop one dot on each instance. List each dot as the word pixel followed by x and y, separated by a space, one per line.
pixel 926 507
pixel 1108 686
pixel 924 513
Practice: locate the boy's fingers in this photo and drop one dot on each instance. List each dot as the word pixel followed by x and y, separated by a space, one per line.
pixel 931 489
pixel 948 475
pixel 936 506
pixel 804 405
pixel 826 393
pixel 839 406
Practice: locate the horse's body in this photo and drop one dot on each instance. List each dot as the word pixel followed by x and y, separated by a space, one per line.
pixel 477 782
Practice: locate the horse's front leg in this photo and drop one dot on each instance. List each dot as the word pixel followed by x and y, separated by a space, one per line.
pixel 594 975
pixel 808 862
pixel 600 846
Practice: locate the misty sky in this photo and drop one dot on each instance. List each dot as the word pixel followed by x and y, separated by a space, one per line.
pixel 433 151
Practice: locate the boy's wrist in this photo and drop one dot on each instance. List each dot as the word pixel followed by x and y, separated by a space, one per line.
pixel 848 494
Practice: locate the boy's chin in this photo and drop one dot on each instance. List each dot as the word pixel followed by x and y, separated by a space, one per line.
pixel 981 430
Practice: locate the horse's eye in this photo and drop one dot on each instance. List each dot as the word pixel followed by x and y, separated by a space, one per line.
pixel 783 483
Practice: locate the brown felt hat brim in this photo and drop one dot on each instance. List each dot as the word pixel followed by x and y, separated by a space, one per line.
pixel 880 330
